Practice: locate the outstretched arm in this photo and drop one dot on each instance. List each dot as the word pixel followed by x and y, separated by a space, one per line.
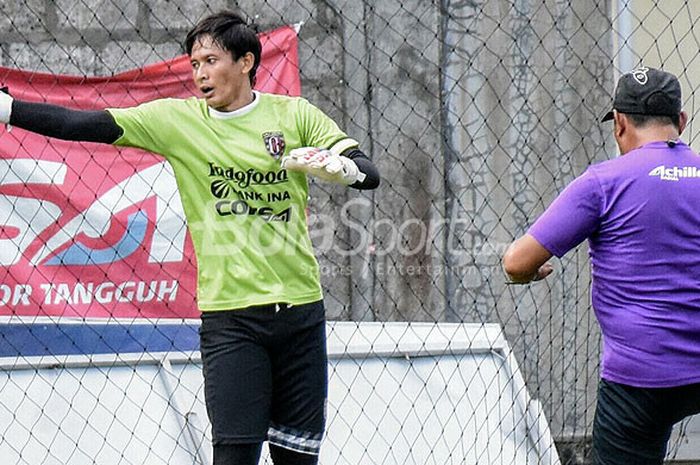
pixel 60 122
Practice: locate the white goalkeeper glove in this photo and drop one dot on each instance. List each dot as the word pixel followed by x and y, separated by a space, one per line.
pixel 323 164
pixel 5 105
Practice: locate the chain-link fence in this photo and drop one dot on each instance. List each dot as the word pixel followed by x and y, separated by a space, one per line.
pixel 477 113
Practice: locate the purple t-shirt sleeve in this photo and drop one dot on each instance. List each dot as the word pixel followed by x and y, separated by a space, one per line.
pixel 572 217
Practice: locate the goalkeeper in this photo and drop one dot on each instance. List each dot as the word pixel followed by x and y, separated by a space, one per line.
pixel 240 159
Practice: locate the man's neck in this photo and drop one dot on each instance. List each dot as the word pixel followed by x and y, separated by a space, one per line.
pixel 660 135
pixel 239 110
pixel 655 134
pixel 244 98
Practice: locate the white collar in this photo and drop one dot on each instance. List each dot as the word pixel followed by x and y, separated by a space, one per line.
pixel 235 113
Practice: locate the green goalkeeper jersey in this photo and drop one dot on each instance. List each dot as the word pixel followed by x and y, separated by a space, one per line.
pixel 246 215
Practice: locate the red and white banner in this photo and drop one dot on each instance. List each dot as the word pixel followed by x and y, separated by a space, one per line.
pixel 88 230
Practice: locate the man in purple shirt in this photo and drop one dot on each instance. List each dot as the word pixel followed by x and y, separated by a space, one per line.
pixel 641 215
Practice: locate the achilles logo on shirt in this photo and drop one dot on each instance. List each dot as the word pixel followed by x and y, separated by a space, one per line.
pixel 249 177
pixel 675 173
pixel 274 143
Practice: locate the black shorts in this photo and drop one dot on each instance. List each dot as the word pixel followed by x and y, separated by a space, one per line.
pixel 632 425
pixel 265 375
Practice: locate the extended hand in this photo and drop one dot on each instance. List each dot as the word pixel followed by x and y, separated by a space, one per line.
pixel 322 164
pixel 543 271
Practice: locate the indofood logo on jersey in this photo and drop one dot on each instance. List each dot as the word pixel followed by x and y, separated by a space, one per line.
pixel 221 188
pixel 675 173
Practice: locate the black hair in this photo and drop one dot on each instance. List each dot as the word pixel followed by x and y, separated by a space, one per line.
pixel 641 121
pixel 230 31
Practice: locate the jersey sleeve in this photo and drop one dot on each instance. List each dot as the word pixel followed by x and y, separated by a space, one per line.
pixel 142 126
pixel 319 130
pixel 572 217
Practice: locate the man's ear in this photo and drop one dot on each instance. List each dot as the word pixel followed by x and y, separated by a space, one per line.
pixel 248 61
pixel 683 121
pixel 621 123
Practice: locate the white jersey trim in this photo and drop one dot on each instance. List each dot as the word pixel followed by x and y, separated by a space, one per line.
pixel 236 113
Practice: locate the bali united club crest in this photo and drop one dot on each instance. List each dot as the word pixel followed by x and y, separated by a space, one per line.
pixel 274 143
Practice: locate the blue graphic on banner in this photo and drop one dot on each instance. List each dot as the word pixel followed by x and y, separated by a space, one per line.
pixel 78 254
pixel 26 340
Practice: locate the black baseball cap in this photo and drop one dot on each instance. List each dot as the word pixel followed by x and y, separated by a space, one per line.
pixel 647 91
